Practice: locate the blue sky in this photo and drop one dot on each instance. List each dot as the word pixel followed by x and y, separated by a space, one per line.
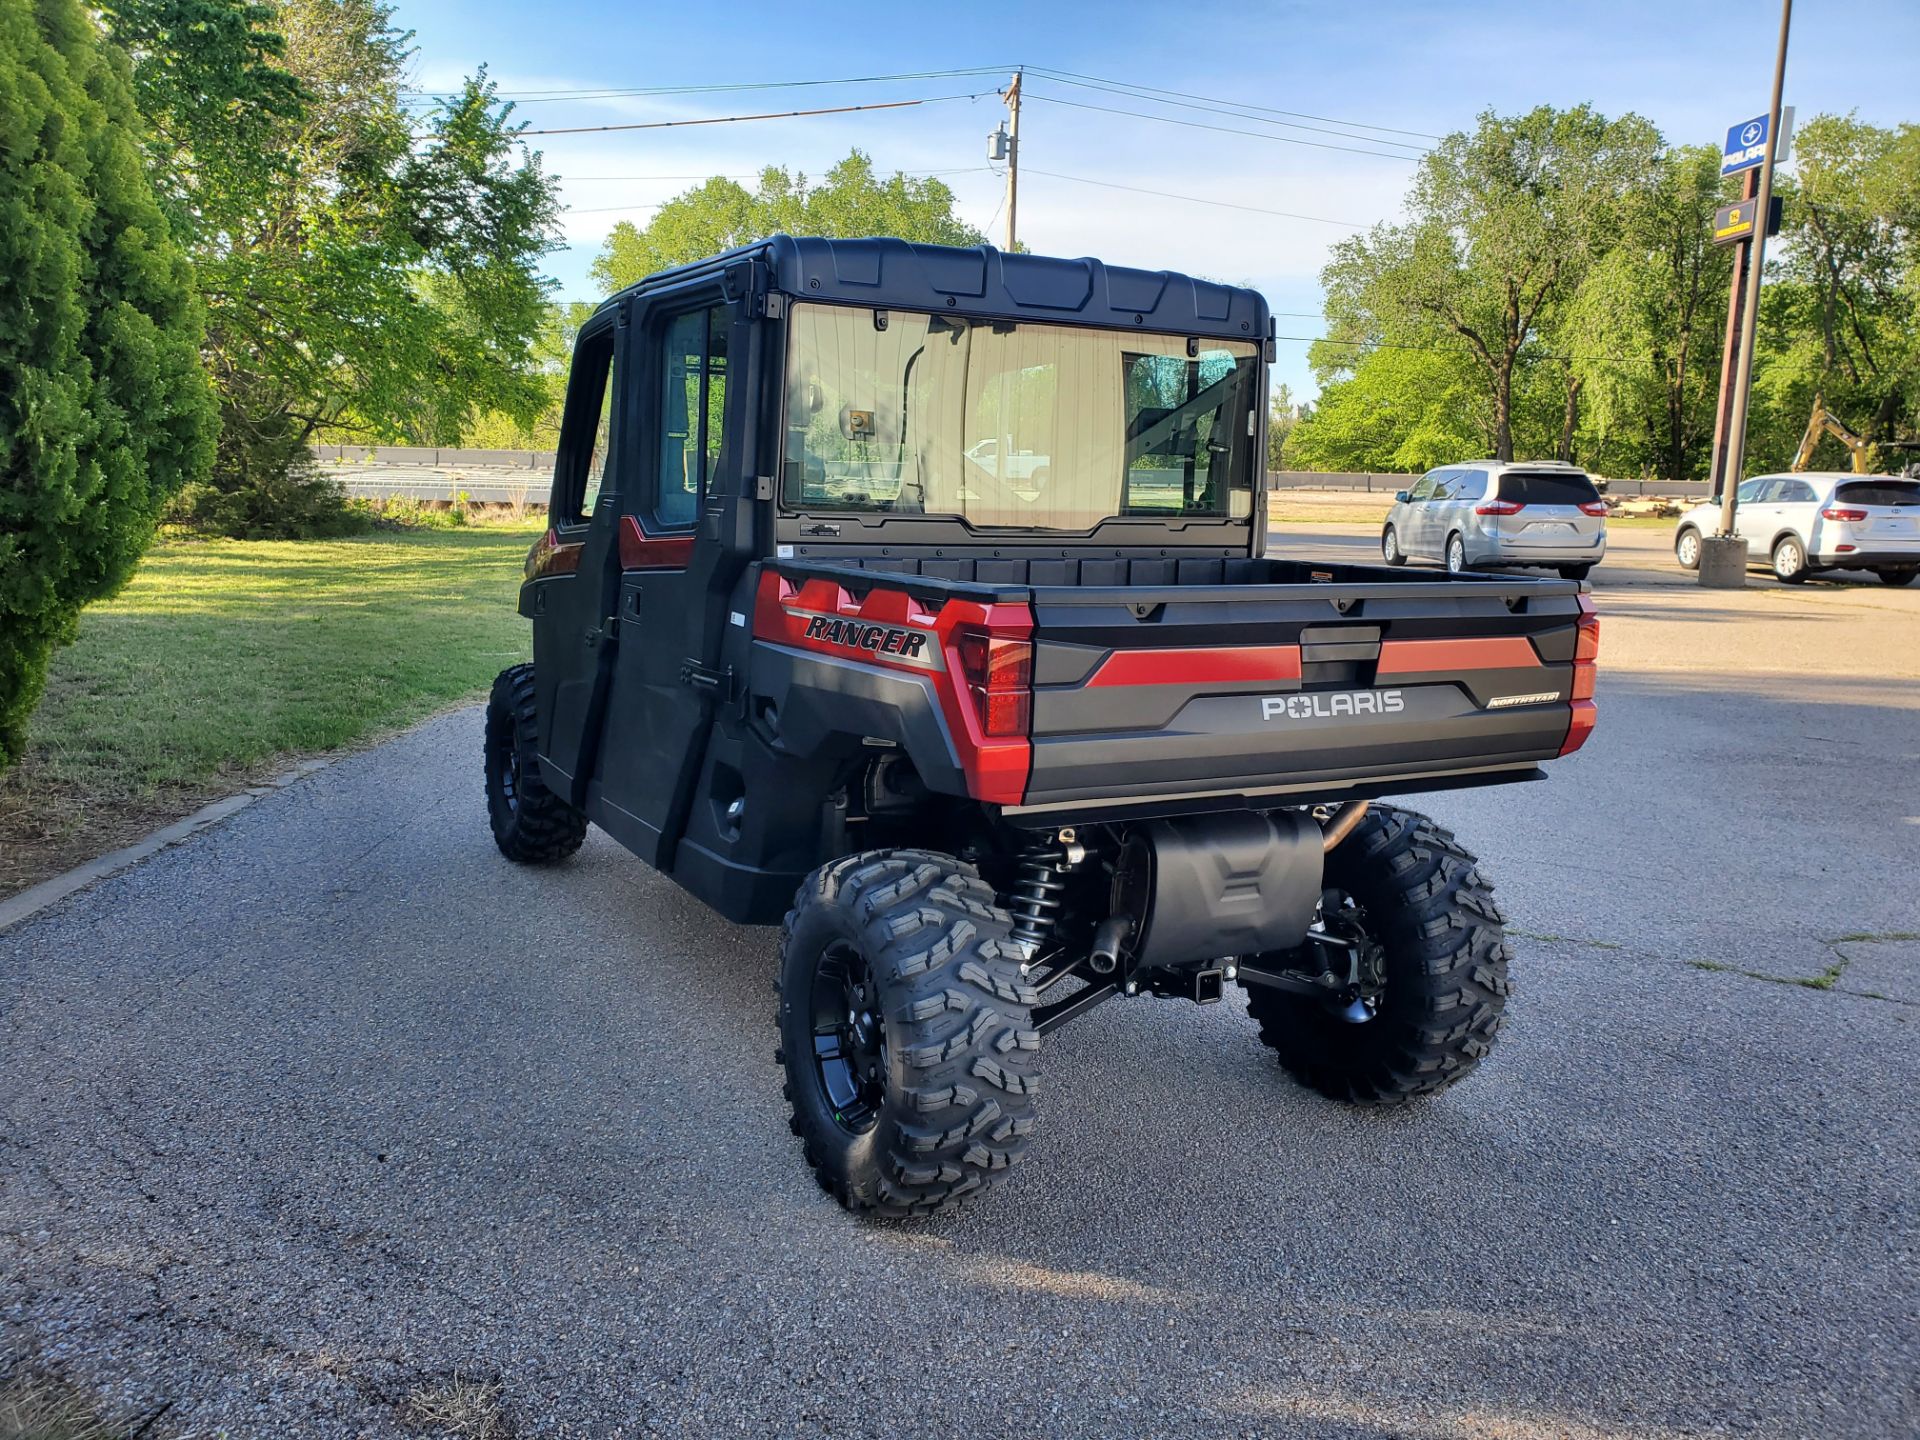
pixel 1693 68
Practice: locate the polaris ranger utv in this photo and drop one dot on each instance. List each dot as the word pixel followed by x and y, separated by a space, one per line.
pixel 1000 743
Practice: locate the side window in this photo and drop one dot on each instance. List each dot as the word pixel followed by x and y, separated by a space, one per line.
pixel 1749 490
pixel 581 466
pixel 1795 492
pixel 693 403
pixel 1424 490
pixel 1472 486
pixel 1446 485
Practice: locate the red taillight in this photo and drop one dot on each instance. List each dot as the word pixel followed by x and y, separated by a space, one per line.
pixel 1834 513
pixel 1500 507
pixel 999 674
pixel 1586 657
pixel 1594 507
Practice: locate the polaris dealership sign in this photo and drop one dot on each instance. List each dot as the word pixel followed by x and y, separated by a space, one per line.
pixel 1746 144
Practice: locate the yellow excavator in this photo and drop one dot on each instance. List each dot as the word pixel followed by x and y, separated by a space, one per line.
pixel 1825 422
pixel 1865 457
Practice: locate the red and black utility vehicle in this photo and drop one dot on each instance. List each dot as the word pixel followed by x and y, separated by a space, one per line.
pixel 920 596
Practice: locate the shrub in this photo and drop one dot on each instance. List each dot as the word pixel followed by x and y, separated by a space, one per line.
pixel 264 485
pixel 104 409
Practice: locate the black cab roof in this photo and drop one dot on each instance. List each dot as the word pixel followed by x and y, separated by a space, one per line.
pixel 887 273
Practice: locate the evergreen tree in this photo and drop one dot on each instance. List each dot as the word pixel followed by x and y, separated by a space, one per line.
pixel 104 409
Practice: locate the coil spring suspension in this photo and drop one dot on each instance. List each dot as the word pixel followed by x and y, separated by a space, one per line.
pixel 1037 888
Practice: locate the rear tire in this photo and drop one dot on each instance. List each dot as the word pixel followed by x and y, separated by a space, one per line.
pixel 1390 550
pixel 1789 560
pixel 1897 577
pixel 1443 966
pixel 924 1097
pixel 1456 555
pixel 531 824
pixel 1686 548
pixel 1574 572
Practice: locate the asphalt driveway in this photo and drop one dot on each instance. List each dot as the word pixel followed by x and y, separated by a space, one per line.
pixel 306 1118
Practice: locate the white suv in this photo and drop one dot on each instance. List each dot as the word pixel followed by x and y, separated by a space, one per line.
pixel 1818 520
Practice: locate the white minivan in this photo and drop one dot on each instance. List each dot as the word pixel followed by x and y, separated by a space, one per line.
pixel 1532 512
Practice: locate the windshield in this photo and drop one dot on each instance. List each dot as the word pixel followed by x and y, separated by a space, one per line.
pixel 1022 426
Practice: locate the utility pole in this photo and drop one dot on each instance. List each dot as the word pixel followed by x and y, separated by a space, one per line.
pixel 1723 571
pixel 1012 96
pixel 1730 349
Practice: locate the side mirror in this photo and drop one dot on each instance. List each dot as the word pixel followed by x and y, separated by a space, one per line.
pixel 1401 496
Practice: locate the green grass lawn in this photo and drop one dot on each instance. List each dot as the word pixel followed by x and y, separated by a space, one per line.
pixel 225 658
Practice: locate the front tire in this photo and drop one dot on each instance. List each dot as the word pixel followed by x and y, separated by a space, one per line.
pixel 531 824
pixel 1789 560
pixel 1390 550
pixel 906 1031
pixel 1437 947
pixel 1686 548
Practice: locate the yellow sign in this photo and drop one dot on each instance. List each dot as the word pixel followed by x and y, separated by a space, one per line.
pixel 1733 222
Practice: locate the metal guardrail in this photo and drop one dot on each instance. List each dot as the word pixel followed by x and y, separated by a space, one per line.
pixel 433 457
pixel 1384 484
pixel 522 476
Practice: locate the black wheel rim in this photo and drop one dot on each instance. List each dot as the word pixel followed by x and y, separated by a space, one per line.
pixel 506 767
pixel 849 1038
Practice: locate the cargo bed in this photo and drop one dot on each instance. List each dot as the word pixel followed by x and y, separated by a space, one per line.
pixel 1162 682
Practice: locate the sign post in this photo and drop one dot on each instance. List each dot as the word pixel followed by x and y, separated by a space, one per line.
pixel 1723 557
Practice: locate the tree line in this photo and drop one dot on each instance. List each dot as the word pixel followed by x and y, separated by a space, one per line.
pixel 1554 292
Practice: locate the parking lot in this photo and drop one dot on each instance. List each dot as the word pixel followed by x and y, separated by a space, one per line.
pixel 330 1111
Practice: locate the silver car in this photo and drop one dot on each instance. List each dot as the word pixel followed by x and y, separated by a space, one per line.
pixel 1817 520
pixel 1534 512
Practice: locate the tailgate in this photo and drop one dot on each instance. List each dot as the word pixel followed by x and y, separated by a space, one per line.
pixel 1303 690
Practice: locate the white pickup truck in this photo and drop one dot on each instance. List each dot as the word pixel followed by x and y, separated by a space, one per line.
pixel 1013 465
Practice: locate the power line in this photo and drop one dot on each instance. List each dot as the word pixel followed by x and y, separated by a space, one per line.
pixel 735 119
pixel 755 175
pixel 1196 199
pixel 1070 76
pixel 529 97
pixel 1221 129
pixel 1230 109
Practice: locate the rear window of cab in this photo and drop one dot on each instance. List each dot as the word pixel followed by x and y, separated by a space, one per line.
pixel 1547 487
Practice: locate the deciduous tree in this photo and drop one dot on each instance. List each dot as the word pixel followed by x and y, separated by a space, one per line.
pixel 720 214
pixel 365 269
pixel 1503 223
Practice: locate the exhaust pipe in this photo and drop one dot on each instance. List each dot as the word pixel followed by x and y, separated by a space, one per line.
pixel 1104 958
pixel 1341 823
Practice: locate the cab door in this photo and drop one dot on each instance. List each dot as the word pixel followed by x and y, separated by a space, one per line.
pixel 573 571
pixel 672 564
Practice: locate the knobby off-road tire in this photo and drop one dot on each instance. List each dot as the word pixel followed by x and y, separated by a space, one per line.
pixel 531 824
pixel 951 1108
pixel 1445 970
